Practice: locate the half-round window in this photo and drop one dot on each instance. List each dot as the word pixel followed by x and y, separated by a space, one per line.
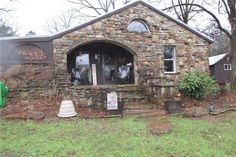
pixel 137 26
pixel 28 53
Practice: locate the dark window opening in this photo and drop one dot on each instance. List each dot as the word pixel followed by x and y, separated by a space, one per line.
pixel 101 63
pixel 227 67
pixel 169 59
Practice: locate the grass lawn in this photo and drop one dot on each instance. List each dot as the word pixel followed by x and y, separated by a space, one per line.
pixel 119 137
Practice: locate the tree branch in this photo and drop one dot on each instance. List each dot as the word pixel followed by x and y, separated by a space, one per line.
pixel 226 8
pixel 207 11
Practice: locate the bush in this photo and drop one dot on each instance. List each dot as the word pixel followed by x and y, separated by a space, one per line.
pixel 197 85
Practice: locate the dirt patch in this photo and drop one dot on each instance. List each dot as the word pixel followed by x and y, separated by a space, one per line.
pixel 8 153
pixel 158 125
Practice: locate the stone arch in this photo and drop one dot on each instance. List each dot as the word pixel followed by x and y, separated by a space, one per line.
pixel 108 57
pixel 103 41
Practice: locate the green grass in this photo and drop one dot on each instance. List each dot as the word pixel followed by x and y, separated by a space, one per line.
pixel 119 137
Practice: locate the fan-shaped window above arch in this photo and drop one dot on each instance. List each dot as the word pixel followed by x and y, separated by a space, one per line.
pixel 28 53
pixel 137 26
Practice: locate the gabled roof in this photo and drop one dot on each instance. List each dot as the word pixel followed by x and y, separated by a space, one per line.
pixel 129 5
pixel 214 59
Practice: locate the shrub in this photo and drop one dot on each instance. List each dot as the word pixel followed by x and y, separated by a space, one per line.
pixel 197 85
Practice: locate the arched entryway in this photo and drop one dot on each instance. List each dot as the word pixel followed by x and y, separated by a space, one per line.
pixel 101 63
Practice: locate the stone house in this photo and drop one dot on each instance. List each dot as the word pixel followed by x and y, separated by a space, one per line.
pixel 137 51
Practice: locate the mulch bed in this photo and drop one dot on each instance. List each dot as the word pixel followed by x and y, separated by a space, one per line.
pixel 43 108
pixel 198 108
pixel 48 108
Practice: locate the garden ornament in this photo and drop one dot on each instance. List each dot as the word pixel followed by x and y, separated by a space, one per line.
pixel 3 94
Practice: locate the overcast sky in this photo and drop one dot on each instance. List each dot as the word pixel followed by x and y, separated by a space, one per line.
pixel 32 14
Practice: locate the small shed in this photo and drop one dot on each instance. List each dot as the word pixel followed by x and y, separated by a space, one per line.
pixel 220 68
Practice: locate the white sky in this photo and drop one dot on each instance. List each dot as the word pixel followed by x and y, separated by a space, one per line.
pixel 32 14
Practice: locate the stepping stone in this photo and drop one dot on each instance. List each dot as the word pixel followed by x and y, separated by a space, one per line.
pixel 159 125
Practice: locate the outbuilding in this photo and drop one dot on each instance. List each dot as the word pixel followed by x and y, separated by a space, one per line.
pixel 220 68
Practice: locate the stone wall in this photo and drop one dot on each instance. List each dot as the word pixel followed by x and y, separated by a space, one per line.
pixel 96 96
pixel 29 81
pixel 191 50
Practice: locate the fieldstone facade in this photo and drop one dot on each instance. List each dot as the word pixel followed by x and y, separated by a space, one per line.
pixel 146 47
pixel 191 50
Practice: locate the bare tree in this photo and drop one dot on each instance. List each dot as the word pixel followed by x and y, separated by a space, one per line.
pixel 184 13
pixel 5 9
pixel 221 45
pixel 92 8
pixel 6 28
pixel 229 8
pixel 61 22
pixel 30 33
pixel 210 29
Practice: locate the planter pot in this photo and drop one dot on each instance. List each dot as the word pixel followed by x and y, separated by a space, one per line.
pixel 67 109
pixel 173 107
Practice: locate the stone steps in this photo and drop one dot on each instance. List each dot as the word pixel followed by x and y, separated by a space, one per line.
pixel 143 113
pixel 140 106
pixel 134 101
pixel 133 98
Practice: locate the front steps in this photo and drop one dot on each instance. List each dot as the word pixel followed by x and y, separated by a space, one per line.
pixel 144 113
pixel 129 95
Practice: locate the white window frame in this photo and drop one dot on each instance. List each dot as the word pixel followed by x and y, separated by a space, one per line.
pixel 227 67
pixel 173 59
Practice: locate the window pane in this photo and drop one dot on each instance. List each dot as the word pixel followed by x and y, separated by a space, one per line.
pixel 82 74
pixel 169 52
pixel 169 65
pixel 137 26
pixel 82 71
pixel 82 59
pixel 225 67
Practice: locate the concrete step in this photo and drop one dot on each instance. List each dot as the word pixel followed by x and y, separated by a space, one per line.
pixel 133 97
pixel 144 113
pixel 140 106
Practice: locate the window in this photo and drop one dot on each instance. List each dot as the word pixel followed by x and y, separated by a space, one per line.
pixel 227 67
pixel 169 59
pixel 137 26
pixel 28 53
pixel 81 73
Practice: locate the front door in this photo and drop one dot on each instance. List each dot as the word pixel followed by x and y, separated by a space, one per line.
pixel 105 67
pixel 108 68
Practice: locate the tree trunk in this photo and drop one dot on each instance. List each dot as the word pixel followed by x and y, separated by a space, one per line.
pixel 233 59
pixel 232 6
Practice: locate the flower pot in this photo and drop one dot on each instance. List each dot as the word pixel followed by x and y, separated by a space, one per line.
pixel 67 109
pixel 173 107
